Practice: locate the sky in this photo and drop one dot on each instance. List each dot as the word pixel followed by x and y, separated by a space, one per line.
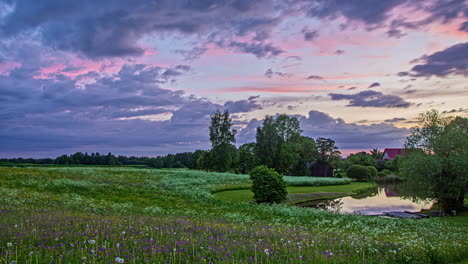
pixel 142 77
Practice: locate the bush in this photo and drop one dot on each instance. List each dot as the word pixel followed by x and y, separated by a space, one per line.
pixel 373 172
pixel 267 185
pixel 384 172
pixel 359 173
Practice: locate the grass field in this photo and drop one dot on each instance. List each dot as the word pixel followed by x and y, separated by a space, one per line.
pixel 246 195
pixel 129 215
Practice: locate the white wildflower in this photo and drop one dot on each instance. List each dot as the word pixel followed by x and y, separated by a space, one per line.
pixel 119 260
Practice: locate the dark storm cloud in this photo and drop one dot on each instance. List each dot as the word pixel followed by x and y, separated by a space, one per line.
pixel 376 84
pixel 112 28
pixel 346 135
pixel 59 116
pixel 453 60
pixel 375 14
pixel 371 99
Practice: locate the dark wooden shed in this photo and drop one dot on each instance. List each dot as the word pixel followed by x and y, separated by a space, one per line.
pixel 321 169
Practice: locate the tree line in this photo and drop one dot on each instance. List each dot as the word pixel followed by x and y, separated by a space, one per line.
pixel 179 160
pixel 279 145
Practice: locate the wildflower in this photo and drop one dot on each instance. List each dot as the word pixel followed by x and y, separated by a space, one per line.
pixel 267 252
pixel 92 241
pixel 15 226
pixel 123 232
pixel 117 245
pixel 119 260
pixel 9 244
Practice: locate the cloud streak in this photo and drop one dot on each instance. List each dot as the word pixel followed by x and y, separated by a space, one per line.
pixel 371 99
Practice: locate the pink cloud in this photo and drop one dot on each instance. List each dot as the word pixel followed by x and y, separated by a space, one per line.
pixel 6 67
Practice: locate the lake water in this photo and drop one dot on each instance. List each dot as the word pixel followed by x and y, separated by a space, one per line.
pixel 385 199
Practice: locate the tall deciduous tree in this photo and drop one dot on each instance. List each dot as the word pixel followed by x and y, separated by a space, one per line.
pixel 327 154
pixel 221 131
pixel 437 164
pixel 222 137
pixel 376 154
pixel 274 142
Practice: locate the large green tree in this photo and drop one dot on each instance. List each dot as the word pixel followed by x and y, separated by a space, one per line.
pixel 275 147
pixel 327 153
pixel 437 164
pixel 222 136
pixel 305 150
pixel 247 159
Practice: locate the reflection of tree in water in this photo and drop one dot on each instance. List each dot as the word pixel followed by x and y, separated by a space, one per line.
pixel 332 205
pixel 391 189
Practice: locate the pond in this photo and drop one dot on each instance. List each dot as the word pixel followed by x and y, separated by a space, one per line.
pixel 385 198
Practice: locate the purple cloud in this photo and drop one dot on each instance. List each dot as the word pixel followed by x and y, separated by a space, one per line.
pixel 371 99
pixel 453 60
pixel 346 135
pixel 310 35
pixel 314 77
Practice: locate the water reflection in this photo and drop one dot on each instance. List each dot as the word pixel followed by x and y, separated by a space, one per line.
pixel 385 198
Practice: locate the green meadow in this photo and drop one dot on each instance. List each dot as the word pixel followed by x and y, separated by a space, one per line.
pixel 137 215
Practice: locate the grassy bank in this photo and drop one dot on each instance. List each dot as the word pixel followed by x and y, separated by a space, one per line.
pixel 302 193
pixel 109 215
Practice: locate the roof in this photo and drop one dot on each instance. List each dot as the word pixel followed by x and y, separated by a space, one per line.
pixel 393 152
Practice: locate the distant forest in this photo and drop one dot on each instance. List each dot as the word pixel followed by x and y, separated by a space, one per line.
pixel 179 160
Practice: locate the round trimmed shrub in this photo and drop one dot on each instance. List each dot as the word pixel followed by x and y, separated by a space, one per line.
pixel 267 185
pixel 359 173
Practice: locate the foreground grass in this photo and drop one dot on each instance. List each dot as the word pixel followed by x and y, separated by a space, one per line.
pixel 110 215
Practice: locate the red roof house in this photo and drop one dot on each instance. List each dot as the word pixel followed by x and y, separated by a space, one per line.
pixel 391 153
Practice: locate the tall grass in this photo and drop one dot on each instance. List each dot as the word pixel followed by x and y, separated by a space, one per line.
pixel 314 181
pixel 109 215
